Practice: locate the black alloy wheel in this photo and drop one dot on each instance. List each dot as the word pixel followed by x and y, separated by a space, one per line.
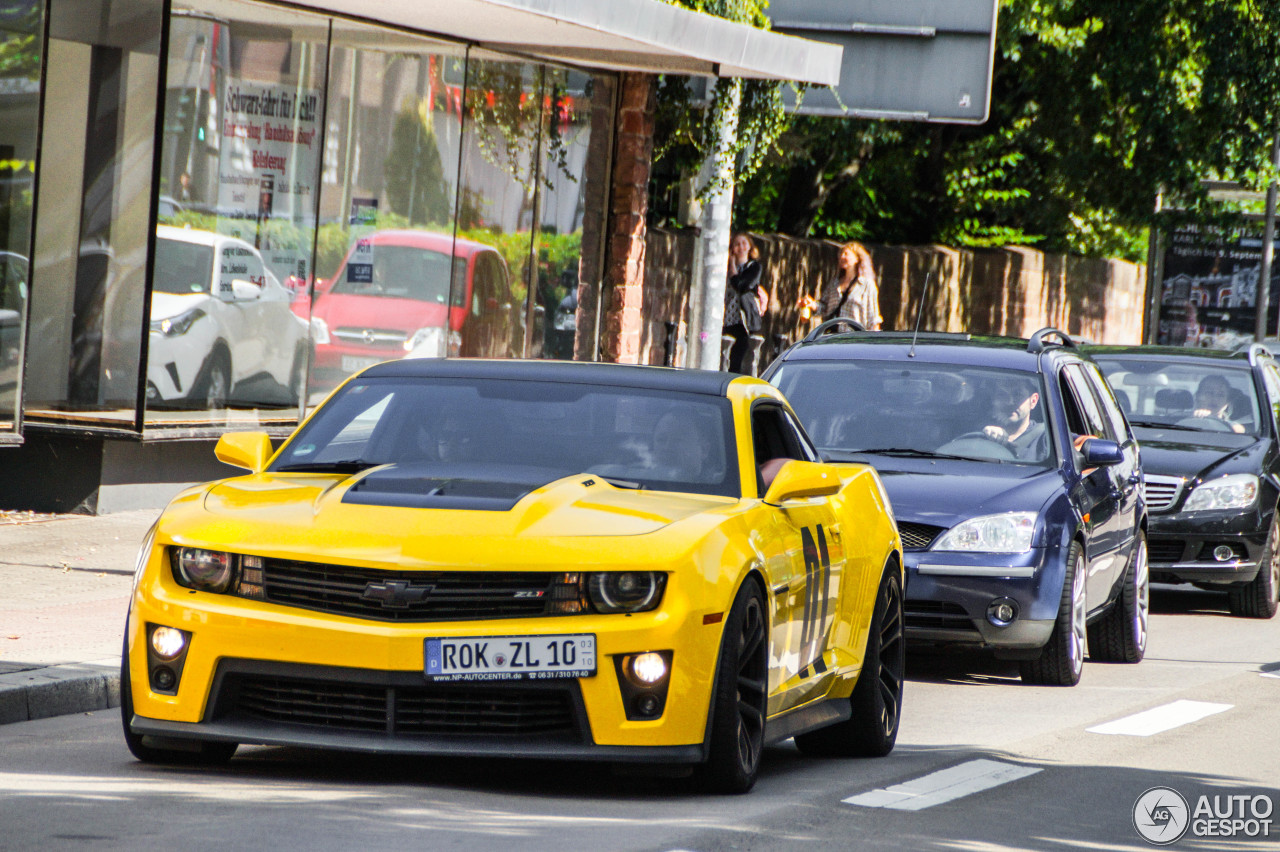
pixel 738 700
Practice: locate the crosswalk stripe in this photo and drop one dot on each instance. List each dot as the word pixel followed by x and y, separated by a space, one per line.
pixel 1160 719
pixel 943 786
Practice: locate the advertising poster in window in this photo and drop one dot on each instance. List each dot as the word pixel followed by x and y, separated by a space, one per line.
pixel 266 170
pixel 1208 291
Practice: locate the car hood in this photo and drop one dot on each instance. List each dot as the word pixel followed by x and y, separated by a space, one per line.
pixel 168 305
pixel 921 493
pixel 1174 452
pixel 385 312
pixel 299 515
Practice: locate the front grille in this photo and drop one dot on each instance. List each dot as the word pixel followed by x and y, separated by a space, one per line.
pixel 937 615
pixel 1161 492
pixel 918 536
pixel 371 336
pixel 423 709
pixel 408 595
pixel 1165 551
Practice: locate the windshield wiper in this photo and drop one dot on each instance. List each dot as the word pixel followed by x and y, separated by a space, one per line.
pixel 1151 424
pixel 914 453
pixel 344 466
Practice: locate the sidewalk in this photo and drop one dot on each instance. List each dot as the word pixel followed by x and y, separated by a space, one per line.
pixel 64 592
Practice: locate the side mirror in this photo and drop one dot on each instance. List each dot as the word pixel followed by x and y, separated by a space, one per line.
pixel 249 450
pixel 245 291
pixel 1099 452
pixel 799 479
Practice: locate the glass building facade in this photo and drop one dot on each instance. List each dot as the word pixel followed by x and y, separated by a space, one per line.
pixel 237 205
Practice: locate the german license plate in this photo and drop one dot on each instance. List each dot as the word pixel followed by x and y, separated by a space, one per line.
pixel 352 363
pixel 478 658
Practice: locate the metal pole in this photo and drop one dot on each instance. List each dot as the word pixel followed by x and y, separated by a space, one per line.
pixel 1268 240
pixel 706 301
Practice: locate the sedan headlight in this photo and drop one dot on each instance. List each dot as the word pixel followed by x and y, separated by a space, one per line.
pixel 426 342
pixel 1006 533
pixel 204 570
pixel 1236 491
pixel 179 325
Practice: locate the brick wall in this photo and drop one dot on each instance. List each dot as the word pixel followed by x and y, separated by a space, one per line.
pixel 1009 291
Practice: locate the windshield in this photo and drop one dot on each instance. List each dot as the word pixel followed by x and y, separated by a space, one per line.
pixel 534 431
pixel 401 272
pixel 1203 396
pixel 182 267
pixel 928 410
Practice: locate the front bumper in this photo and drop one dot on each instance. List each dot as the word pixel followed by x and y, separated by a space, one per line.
pixel 1180 546
pixel 260 673
pixel 948 595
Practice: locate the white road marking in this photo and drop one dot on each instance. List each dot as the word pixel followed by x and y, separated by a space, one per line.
pixel 943 786
pixel 1160 719
pixel 1270 674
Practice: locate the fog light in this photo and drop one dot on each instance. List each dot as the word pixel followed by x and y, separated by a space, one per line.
pixel 649 668
pixel 163 679
pixel 1002 612
pixel 647 705
pixel 168 642
pixel 1222 553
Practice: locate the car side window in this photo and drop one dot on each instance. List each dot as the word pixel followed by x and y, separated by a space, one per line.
pixel 1271 378
pixel 1087 418
pixel 1110 405
pixel 772 437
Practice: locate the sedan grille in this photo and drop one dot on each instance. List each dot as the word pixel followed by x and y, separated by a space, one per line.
pixel 407 710
pixel 408 595
pixel 1161 491
pixel 918 536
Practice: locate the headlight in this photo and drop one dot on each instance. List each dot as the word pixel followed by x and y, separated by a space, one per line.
pixel 319 331
pixel 426 343
pixel 1237 491
pixel 175 326
pixel 626 591
pixel 204 570
pixel 1007 533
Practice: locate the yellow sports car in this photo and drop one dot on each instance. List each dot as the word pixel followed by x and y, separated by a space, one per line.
pixel 584 561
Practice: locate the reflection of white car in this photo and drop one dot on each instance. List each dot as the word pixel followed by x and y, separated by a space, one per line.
pixel 220 322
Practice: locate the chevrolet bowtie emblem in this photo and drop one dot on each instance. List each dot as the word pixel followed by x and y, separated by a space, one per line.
pixel 395 594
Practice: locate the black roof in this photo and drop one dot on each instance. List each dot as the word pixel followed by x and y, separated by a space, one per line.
pixel 961 349
pixel 1166 353
pixel 709 382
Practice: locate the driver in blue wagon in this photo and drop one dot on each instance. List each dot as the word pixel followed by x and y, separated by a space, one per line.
pixel 1014 426
pixel 1213 401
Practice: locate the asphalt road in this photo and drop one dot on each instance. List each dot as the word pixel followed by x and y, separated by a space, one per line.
pixel 1020 769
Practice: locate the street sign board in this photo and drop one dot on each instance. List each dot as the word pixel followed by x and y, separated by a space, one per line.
pixel 914 60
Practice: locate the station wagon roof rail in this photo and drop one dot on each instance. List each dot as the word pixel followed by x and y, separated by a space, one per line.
pixel 1039 342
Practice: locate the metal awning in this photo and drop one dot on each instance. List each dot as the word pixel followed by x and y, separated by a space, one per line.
pixel 629 35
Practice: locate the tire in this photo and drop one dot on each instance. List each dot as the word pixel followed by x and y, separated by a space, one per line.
pixel 872 729
pixel 1257 598
pixel 1061 659
pixel 197 753
pixel 1121 635
pixel 214 386
pixel 738 700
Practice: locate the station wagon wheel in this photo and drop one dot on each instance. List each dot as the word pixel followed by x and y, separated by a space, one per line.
pixel 1121 635
pixel 872 728
pixel 738 700
pixel 1061 659
pixel 1257 598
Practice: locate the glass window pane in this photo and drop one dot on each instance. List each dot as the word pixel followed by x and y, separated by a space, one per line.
pixel 386 245
pixel 236 216
pixel 91 241
pixel 21 37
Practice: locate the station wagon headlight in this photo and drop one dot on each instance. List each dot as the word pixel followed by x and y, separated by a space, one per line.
pixel 1010 532
pixel 179 325
pixel 1236 491
pixel 625 591
pixel 204 570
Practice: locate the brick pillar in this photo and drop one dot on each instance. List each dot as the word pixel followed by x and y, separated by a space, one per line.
pixel 624 266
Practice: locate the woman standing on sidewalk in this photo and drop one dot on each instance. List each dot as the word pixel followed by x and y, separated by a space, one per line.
pixel 742 298
pixel 852 294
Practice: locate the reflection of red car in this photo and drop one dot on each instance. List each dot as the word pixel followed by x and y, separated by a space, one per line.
pixel 397 291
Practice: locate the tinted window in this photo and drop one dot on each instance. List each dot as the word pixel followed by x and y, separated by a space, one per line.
pixel 545 430
pixel 1095 422
pixel 402 272
pixel 869 406
pixel 1197 396
pixel 182 267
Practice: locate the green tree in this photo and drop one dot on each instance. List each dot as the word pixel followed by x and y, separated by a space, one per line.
pixel 414 173
pixel 1096 107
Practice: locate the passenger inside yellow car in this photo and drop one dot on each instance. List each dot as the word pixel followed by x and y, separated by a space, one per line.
pixel 678 450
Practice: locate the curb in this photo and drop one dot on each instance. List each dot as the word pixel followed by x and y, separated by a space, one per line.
pixel 59 690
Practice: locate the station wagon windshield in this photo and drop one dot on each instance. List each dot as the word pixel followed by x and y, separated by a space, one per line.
pixel 924 410
pixel 532 432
